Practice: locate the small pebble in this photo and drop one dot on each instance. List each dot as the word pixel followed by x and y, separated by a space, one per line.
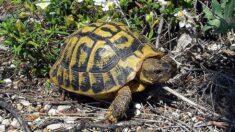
pixel 175 114
pixel 70 119
pixel 2 128
pixel 38 121
pixel 189 114
pixel 138 106
pixel 1 119
pixel 47 107
pixel 214 47
pixel 62 108
pixel 68 126
pixel 38 130
pixel 25 102
pixel 14 97
pixel 126 130
pixel 15 123
pixel 12 66
pixel 52 127
pixel 232 47
pixel 8 82
pixel 6 122
pixel 52 112
pixel 137 112
pixel 194 119
pixel 19 107
pixel 138 129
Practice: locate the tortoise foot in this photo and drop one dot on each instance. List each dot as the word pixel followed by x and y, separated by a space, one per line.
pixel 120 105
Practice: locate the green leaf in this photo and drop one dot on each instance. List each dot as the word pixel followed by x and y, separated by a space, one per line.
pixel 224 27
pixel 216 8
pixel 208 13
pixel 216 23
pixel 150 35
pixel 35 45
pixel 207 27
pixel 229 9
pixel 223 3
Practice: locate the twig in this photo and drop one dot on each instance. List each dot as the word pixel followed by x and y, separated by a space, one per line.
pixel 30 98
pixel 124 16
pixel 180 123
pixel 12 110
pixel 122 124
pixel 193 103
pixel 170 40
pixel 157 45
pixel 48 122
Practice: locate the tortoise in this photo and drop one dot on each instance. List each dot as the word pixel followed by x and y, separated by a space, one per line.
pixel 106 60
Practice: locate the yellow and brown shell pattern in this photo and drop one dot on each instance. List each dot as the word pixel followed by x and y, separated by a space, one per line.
pixel 99 58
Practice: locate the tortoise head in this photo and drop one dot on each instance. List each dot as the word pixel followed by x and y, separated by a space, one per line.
pixel 157 70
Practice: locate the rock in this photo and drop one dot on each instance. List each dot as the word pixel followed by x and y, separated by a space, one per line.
pixel 214 47
pixel 63 108
pixel 194 119
pixel 232 47
pixel 137 112
pixel 15 123
pixel 38 121
pixel 47 107
pixel 38 131
pixel 138 129
pixel 33 116
pixel 69 119
pixel 189 114
pixel 183 42
pixel 52 127
pixel 52 112
pixel 126 130
pixel 2 46
pixel 6 122
pixel 8 82
pixel 1 119
pixel 138 106
pixel 12 66
pixel 68 126
pixel 2 128
pixel 14 97
pixel 25 103
pixel 175 115
pixel 19 107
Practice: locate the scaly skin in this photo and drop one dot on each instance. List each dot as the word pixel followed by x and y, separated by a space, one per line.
pixel 120 104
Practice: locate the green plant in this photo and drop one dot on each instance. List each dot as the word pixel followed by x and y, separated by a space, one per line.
pixel 36 30
pixel 221 16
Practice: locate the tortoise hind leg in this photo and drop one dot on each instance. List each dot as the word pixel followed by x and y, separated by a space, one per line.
pixel 120 104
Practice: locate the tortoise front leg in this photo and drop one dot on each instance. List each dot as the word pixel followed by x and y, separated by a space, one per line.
pixel 120 104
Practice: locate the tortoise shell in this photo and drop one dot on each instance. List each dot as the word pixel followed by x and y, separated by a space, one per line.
pixel 99 59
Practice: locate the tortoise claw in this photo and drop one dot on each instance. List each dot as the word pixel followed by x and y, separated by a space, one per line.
pixel 110 117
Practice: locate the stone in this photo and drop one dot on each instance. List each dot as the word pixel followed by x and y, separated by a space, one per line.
pixel 15 123
pixel 52 127
pixel 62 108
pixel 2 128
pixel 6 122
